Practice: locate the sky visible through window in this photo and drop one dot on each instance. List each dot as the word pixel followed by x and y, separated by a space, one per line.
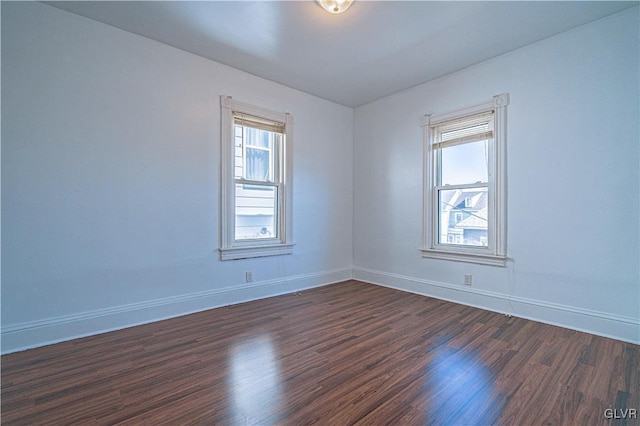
pixel 464 164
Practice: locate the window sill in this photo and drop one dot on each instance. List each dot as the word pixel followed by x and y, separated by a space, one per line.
pixel 479 258
pixel 247 252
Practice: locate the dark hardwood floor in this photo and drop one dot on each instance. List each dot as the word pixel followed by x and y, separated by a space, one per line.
pixel 342 354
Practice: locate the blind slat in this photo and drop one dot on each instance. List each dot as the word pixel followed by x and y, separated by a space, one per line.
pixel 464 139
pixel 246 120
pixel 466 130
pixel 466 120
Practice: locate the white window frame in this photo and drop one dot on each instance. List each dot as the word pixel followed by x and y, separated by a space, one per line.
pixel 495 253
pixel 230 248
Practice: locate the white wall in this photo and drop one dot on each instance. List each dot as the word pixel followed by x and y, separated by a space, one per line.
pixel 573 196
pixel 110 181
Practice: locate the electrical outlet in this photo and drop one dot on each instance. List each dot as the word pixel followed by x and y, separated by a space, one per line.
pixel 248 276
pixel 468 279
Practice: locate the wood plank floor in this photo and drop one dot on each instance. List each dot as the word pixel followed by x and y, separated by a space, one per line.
pixel 348 353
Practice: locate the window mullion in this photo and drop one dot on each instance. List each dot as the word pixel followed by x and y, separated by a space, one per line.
pixel 277 154
pixel 464 186
pixel 257 183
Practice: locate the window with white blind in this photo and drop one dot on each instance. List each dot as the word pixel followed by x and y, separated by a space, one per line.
pixel 465 184
pixel 256 184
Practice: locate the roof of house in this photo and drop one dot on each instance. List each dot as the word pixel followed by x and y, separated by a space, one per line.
pixel 455 199
pixel 477 220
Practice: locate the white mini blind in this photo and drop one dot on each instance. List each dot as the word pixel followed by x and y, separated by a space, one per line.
pixel 247 120
pixel 469 129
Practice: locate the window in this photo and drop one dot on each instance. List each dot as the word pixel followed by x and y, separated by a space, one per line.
pixel 465 184
pixel 256 186
pixel 468 200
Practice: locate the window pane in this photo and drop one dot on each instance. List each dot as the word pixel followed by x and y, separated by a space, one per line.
pixel 258 137
pixel 258 164
pixel 254 153
pixel 463 217
pixel 256 212
pixel 466 163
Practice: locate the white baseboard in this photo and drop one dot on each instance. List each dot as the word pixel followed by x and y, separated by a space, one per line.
pixel 604 324
pixel 33 334
pixel 18 337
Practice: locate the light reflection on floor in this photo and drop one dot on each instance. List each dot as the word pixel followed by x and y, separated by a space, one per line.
pixel 254 382
pixel 460 389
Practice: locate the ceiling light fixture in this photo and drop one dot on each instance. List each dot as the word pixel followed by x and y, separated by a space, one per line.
pixel 335 6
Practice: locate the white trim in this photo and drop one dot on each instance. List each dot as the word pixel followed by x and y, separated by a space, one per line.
pixel 464 112
pixel 229 103
pixel 457 255
pixel 605 324
pixel 32 334
pixel 499 197
pixel 495 254
pixel 229 248
pixel 249 251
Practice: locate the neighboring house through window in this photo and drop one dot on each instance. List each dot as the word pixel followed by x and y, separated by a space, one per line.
pixel 256 184
pixel 465 184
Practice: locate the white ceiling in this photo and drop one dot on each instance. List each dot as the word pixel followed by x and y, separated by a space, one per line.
pixel 374 49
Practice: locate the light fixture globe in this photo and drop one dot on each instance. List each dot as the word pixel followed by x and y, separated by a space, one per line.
pixel 335 6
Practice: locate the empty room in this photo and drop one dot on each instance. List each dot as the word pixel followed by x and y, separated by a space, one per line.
pixel 320 212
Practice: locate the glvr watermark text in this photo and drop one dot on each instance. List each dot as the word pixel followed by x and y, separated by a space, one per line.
pixel 619 413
